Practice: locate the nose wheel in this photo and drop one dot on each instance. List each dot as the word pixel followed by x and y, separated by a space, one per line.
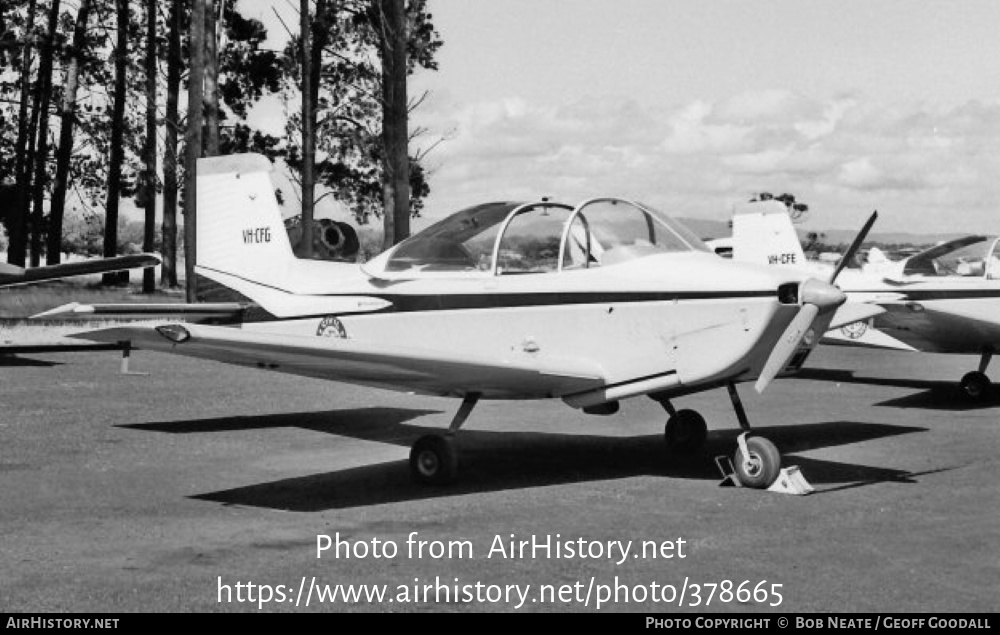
pixel 757 462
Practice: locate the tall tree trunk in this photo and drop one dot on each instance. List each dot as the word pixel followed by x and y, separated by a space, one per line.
pixel 42 147
pixel 117 149
pixel 308 132
pixel 65 151
pixel 149 182
pixel 193 141
pixel 168 274
pixel 18 224
pixel 396 177
pixel 211 81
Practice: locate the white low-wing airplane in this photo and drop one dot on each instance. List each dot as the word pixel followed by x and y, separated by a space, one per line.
pixel 12 275
pixel 589 304
pixel 945 299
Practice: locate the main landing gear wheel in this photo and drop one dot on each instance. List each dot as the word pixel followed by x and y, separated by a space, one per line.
pixel 760 467
pixel 976 385
pixel 685 433
pixel 433 460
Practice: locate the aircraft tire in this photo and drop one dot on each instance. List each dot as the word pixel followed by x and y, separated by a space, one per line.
pixel 685 433
pixel 433 460
pixel 763 466
pixel 976 385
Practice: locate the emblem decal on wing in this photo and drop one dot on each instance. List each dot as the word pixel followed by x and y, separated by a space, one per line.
pixel 855 330
pixel 331 327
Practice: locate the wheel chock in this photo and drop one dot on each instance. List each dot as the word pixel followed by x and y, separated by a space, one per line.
pixel 791 481
pixel 725 465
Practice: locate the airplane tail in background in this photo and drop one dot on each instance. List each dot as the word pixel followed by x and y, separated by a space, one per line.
pixel 763 234
pixel 877 257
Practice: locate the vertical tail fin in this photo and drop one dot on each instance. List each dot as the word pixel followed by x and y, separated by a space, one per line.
pixel 240 231
pixel 877 257
pixel 763 233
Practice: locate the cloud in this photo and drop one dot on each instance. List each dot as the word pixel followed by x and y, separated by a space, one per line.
pixel 927 169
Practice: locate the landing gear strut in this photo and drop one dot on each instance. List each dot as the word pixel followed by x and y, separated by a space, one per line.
pixel 434 457
pixel 757 461
pixel 976 385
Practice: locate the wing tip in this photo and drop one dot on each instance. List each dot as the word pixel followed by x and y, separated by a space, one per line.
pixel 64 309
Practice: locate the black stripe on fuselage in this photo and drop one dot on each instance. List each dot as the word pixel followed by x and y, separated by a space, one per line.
pixel 405 303
pixel 926 295
pixel 212 291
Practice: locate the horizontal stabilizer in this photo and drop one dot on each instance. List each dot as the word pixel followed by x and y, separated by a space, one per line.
pixel 286 304
pixel 145 310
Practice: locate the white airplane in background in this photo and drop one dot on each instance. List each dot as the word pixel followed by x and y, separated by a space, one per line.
pixel 12 275
pixel 945 299
pixel 589 304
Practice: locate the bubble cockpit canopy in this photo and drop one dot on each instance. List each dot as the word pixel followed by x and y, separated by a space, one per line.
pixel 506 238
pixel 969 256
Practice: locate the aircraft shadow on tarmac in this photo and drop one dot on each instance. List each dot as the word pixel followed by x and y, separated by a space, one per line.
pixel 934 395
pixel 7 361
pixel 496 461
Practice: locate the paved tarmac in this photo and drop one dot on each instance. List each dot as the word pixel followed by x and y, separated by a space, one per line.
pixel 162 492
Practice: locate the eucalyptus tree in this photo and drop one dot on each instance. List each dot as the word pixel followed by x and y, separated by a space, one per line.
pixel 358 36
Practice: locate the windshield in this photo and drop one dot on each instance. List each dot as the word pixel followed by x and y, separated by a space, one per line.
pixel 462 242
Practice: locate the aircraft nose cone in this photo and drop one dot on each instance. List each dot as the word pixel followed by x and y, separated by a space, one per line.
pixel 824 295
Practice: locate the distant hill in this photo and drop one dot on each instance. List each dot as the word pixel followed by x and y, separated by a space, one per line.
pixel 707 229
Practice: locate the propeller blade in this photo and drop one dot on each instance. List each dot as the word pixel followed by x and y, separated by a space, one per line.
pixel 849 254
pixel 816 297
pixel 787 345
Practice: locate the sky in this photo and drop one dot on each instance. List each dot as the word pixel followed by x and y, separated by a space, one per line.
pixel 694 105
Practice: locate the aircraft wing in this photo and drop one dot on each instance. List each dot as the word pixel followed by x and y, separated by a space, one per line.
pixel 852 312
pixel 943 326
pixel 950 326
pixel 431 372
pixel 11 275
pixel 864 336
